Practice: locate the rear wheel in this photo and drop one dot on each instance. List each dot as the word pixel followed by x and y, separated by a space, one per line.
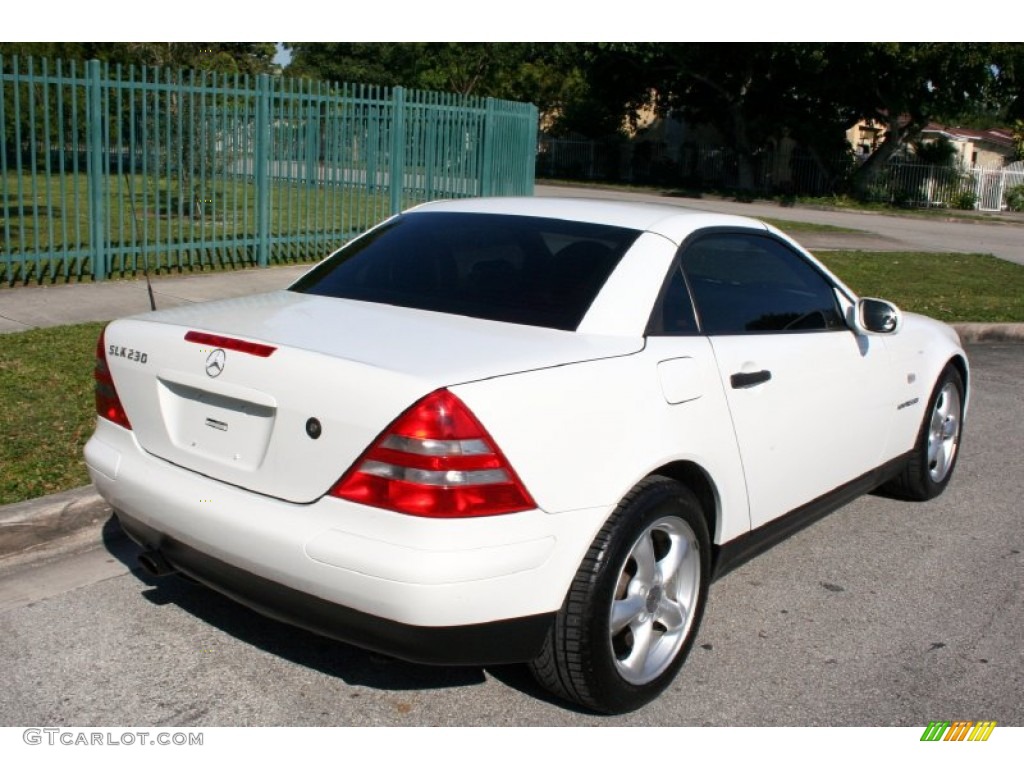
pixel 934 457
pixel 635 605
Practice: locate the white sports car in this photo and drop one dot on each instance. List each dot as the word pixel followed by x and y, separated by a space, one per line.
pixel 508 430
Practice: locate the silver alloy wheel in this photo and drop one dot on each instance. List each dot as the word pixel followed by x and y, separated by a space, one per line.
pixel 655 600
pixel 944 432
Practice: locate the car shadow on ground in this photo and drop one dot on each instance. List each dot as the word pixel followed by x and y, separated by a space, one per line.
pixel 355 666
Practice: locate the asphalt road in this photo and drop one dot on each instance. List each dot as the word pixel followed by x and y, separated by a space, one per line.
pixel 884 613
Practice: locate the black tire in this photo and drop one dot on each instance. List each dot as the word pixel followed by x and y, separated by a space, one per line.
pixel 935 453
pixel 614 671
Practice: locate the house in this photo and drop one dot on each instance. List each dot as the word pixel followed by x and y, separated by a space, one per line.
pixel 991 148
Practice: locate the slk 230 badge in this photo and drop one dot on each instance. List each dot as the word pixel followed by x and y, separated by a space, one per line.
pixel 113 350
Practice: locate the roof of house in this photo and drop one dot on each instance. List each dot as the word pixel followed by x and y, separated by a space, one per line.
pixel 999 136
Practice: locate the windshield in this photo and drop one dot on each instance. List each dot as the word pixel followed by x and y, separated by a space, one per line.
pixel 517 269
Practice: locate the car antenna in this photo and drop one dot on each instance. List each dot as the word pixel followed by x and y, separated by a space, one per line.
pixel 145 253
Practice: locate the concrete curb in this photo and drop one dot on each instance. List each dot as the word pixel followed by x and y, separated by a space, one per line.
pixel 30 523
pixel 971 333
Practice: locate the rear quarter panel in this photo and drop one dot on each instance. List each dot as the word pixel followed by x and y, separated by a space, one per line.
pixel 580 436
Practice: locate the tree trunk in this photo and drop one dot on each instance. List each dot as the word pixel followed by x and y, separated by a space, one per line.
pixel 895 137
pixel 744 172
pixel 744 154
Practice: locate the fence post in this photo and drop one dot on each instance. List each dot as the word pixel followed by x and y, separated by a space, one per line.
pixel 262 160
pixel 372 145
pixel 396 174
pixel 487 169
pixel 312 134
pixel 97 209
pixel 530 168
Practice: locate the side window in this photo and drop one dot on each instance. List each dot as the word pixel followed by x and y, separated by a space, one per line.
pixel 673 314
pixel 754 284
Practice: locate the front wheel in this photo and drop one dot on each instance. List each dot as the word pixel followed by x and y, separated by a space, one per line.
pixel 938 444
pixel 635 604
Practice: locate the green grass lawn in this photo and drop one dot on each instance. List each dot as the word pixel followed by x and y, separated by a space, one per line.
pixel 809 226
pixel 46 374
pixel 46 387
pixel 954 287
pixel 45 224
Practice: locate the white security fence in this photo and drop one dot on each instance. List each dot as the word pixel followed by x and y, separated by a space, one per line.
pixel 793 173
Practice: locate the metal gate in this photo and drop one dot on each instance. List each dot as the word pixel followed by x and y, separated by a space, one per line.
pixel 106 169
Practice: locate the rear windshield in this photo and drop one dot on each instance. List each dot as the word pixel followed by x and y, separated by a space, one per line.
pixel 517 269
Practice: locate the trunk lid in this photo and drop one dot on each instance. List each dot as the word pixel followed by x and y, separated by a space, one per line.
pixel 290 423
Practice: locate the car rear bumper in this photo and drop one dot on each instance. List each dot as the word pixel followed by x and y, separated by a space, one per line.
pixel 497 642
pixel 473 591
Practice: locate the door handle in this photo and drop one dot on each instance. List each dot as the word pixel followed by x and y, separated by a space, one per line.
pixel 747 380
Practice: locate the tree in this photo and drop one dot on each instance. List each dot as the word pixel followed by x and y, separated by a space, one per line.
pixel 192 125
pixel 751 94
pixel 385 64
pixel 732 88
pixel 1009 61
pixel 618 84
pixel 813 92
pixel 940 151
pixel 544 74
pixel 77 51
pixel 229 58
pixel 904 86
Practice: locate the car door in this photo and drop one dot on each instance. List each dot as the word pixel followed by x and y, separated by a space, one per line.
pixel 806 394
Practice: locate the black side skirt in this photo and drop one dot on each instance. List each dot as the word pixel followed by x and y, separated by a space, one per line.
pixel 499 642
pixel 735 553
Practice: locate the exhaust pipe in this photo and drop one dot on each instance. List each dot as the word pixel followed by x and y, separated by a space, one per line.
pixel 155 564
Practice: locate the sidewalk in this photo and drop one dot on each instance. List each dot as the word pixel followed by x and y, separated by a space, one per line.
pixel 26 307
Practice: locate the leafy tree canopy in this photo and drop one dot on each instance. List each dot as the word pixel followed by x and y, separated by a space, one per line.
pixel 751 94
pixel 228 58
pixel 544 74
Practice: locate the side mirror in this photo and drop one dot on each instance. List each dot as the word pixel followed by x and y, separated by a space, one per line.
pixel 877 316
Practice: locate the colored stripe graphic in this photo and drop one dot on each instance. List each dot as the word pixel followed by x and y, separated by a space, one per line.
pixel 935 730
pixel 958 730
pixel 982 730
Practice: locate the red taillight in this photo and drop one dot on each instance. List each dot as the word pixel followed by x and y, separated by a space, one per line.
pixel 108 404
pixel 435 460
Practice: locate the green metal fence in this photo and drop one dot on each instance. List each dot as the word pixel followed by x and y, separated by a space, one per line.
pixel 108 169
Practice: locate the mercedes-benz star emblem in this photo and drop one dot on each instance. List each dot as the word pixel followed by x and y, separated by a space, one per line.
pixel 215 363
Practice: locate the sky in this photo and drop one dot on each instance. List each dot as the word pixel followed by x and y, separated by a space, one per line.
pixel 282 57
